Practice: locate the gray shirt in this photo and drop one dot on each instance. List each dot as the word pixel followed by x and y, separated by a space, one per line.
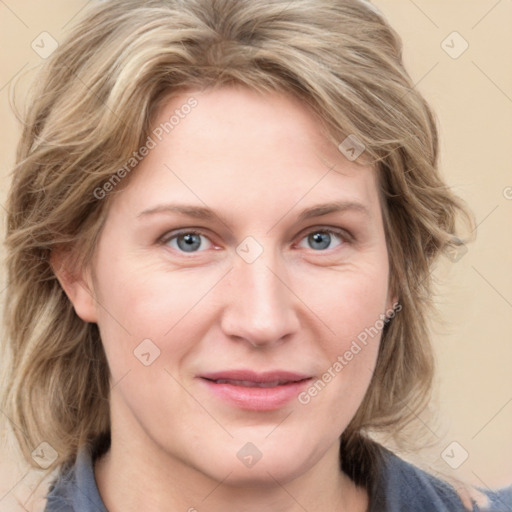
pixel 403 488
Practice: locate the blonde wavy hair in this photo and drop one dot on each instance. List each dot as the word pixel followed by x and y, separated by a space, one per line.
pixel 92 107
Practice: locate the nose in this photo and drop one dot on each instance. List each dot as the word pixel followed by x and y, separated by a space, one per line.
pixel 262 309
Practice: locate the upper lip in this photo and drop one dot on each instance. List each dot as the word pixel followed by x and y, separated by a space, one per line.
pixel 280 376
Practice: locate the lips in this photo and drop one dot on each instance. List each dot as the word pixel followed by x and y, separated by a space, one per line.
pixel 251 384
pixel 250 378
pixel 246 389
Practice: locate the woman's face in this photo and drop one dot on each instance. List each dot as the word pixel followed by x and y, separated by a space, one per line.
pixel 238 284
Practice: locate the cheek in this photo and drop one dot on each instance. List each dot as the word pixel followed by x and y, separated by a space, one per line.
pixel 176 308
pixel 354 314
pixel 355 302
pixel 138 303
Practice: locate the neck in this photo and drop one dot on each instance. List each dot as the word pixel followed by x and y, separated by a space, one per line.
pixel 131 479
pixel 137 473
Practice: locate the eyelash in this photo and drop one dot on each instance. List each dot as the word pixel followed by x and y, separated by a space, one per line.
pixel 343 235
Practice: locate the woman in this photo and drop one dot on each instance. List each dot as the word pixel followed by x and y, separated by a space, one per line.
pixel 221 229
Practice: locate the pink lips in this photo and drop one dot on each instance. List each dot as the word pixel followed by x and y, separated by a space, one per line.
pixel 253 391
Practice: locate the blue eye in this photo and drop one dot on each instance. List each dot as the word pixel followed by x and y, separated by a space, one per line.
pixel 187 241
pixel 321 239
pixel 195 241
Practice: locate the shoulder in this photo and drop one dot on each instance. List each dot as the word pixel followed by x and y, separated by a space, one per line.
pixel 75 488
pixel 405 487
pixel 59 498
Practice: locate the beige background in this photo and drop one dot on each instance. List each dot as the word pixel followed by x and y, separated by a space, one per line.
pixel 472 95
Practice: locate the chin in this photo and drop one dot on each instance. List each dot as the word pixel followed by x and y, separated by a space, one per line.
pixel 262 474
pixel 249 465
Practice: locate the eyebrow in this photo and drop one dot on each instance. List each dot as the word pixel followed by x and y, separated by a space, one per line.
pixel 204 213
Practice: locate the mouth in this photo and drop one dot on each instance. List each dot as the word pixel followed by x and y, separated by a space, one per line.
pixel 254 391
pixel 252 384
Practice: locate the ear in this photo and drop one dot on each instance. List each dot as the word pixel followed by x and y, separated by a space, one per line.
pixel 77 284
pixel 394 307
pixel 393 303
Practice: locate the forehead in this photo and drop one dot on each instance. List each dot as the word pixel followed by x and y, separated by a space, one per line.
pixel 238 149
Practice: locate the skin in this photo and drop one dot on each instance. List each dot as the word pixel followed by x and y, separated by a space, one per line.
pixel 257 162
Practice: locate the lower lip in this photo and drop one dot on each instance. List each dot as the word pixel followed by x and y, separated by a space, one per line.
pixel 257 399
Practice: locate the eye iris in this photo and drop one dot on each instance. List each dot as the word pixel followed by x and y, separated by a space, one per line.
pixel 189 242
pixel 324 239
